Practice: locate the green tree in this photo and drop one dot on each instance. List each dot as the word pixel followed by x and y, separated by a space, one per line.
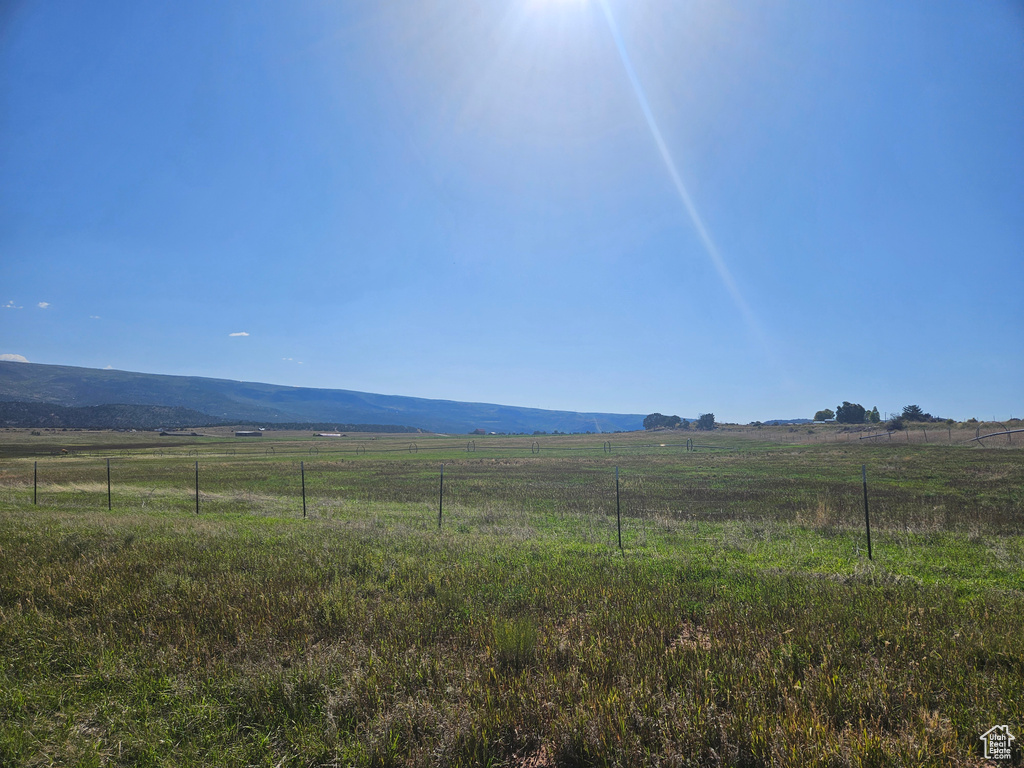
pixel 706 421
pixel 656 421
pixel 915 413
pixel 824 415
pixel 850 413
pixel 873 416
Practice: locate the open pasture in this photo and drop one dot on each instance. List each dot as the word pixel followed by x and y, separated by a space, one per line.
pixel 741 623
pixel 666 479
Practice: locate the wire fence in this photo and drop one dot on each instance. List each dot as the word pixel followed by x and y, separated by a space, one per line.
pixel 659 482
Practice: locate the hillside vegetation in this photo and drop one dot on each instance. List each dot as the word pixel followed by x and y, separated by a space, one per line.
pixel 149 417
pixel 114 416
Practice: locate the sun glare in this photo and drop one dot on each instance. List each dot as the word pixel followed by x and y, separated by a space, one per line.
pixel 684 196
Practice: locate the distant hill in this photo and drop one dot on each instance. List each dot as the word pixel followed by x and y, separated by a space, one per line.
pixel 236 401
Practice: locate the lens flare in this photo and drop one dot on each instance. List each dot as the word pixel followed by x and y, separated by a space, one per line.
pixel 705 237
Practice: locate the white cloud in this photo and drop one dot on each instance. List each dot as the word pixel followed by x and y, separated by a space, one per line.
pixel 240 333
pixel 94 317
pixel 11 305
pixel 43 304
pixel 14 358
pixel 108 367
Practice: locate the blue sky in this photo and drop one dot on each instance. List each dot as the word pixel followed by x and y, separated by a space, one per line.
pixel 487 201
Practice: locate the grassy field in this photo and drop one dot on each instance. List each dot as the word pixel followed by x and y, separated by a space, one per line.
pixel 740 624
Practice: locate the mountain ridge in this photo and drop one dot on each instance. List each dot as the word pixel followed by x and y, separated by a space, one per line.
pixel 230 400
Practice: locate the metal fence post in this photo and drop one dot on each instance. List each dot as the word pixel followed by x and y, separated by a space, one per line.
pixel 867 519
pixel 440 499
pixel 618 512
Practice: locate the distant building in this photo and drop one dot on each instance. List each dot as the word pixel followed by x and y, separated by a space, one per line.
pixel 248 434
pixel 478 432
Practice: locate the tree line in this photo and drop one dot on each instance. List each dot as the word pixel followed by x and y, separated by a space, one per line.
pixel 150 417
pixel 706 421
pixel 855 413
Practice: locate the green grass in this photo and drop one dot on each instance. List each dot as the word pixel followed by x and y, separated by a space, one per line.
pixel 742 624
